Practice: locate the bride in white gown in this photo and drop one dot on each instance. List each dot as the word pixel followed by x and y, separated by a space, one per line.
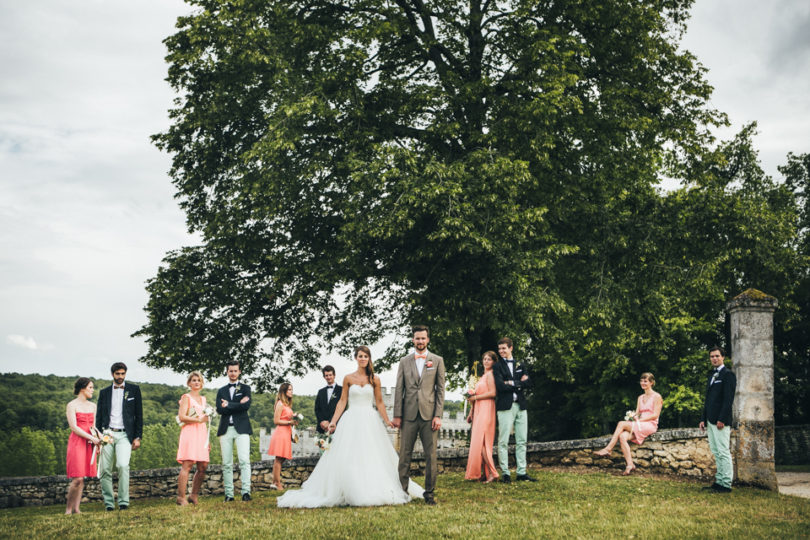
pixel 360 466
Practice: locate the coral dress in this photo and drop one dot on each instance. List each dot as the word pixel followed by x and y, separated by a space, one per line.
pixel 80 450
pixel 281 440
pixel 642 430
pixel 482 433
pixel 193 445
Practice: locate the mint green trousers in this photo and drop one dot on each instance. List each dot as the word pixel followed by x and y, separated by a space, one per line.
pixel 118 451
pixel 226 443
pixel 520 420
pixel 719 442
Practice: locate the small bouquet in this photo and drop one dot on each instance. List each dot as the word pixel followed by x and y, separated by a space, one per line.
pixel 324 442
pixel 105 437
pixel 629 415
pixel 294 432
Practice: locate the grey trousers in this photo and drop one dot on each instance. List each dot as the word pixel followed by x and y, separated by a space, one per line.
pixel 410 430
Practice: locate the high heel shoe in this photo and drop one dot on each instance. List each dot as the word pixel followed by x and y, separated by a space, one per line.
pixel 182 502
pixel 602 453
pixel 192 499
pixel 629 470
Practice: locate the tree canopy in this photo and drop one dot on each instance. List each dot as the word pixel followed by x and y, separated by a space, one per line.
pixel 485 167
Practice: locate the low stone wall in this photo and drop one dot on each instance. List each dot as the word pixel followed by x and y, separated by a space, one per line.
pixel 675 451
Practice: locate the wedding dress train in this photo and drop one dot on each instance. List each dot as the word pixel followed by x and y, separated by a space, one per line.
pixel 359 468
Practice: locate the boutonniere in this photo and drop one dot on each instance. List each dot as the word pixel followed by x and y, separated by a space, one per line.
pixel 714 377
pixel 334 395
pixel 126 394
pixel 429 363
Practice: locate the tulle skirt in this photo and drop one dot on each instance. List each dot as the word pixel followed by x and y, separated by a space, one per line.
pixel 359 468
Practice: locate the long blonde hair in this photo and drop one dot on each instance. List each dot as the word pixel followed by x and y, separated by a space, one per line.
pixel 370 366
pixel 282 394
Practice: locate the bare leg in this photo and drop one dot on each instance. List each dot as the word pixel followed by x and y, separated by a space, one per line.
pixel 74 496
pixel 196 482
pixel 628 458
pixel 620 427
pixel 277 472
pixel 182 482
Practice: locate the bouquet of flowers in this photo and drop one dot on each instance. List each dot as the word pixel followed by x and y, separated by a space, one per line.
pixel 325 442
pixel 294 432
pixel 629 415
pixel 472 380
pixel 105 437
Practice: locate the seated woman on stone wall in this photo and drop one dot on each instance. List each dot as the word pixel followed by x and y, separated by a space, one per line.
pixel 641 424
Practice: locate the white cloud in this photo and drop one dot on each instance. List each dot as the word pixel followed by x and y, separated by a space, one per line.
pixel 26 342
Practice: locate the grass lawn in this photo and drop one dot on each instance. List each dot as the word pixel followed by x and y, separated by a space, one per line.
pixel 560 504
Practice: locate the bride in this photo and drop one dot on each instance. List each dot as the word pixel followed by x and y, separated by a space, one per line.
pixel 360 467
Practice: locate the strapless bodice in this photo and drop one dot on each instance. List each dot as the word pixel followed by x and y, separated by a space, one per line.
pixel 361 396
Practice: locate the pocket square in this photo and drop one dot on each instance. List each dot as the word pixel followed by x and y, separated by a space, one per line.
pixel 130 399
pixel 237 394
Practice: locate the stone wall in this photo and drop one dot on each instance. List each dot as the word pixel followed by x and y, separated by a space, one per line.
pixel 682 452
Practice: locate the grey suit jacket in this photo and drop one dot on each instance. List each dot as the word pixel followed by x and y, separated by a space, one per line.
pixel 419 396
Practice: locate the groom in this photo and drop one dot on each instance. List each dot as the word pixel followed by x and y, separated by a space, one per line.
pixel 418 407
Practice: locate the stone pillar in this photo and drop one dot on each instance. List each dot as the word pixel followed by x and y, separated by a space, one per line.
pixel 751 316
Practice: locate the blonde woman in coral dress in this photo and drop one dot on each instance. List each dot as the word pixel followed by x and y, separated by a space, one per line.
pixel 193 447
pixel 643 424
pixel 480 465
pixel 81 414
pixel 281 439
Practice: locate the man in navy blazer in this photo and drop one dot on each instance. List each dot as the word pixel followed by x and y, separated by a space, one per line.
pixel 120 411
pixel 327 399
pixel 233 402
pixel 716 417
pixel 511 382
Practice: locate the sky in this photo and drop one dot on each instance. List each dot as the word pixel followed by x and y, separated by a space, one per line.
pixel 86 204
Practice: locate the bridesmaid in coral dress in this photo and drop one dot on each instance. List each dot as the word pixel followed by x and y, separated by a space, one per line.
pixel 193 446
pixel 643 423
pixel 480 465
pixel 281 440
pixel 81 415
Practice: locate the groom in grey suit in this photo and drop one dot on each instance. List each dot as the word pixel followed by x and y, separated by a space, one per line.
pixel 418 407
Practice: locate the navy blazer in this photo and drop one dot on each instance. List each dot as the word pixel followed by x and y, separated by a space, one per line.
pixel 326 410
pixel 132 410
pixel 503 391
pixel 235 409
pixel 719 397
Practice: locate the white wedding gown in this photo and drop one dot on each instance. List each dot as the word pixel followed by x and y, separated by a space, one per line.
pixel 360 466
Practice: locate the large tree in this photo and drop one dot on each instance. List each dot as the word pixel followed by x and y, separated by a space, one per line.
pixel 481 166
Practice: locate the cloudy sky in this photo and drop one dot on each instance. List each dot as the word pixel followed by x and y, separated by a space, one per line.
pixel 86 206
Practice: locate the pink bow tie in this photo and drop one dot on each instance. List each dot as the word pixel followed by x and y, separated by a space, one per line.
pixel 422 356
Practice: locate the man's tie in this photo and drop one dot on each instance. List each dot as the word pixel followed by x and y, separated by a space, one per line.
pixel 232 385
pixel 421 356
pixel 116 387
pixel 331 386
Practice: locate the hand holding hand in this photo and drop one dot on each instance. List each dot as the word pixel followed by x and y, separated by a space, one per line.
pixel 324 425
pixel 397 422
pixel 332 427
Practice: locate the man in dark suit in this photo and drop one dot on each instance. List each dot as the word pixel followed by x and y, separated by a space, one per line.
pixel 327 399
pixel 120 411
pixel 717 414
pixel 233 402
pixel 511 382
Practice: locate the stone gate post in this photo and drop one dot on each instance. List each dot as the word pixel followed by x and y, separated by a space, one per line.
pixel 751 352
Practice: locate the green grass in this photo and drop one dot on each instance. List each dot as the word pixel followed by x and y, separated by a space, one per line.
pixel 561 504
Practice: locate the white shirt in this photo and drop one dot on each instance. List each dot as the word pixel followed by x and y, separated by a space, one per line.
pixel 329 391
pixel 117 408
pixel 420 362
pixel 510 363
pixel 717 373
pixel 232 389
